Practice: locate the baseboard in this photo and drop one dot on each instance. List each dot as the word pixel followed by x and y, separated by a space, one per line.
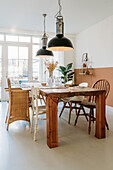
pixel 109 108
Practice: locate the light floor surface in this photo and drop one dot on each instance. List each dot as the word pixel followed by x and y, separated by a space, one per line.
pixel 77 150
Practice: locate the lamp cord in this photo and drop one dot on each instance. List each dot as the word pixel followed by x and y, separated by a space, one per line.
pixel 44 23
pixel 60 9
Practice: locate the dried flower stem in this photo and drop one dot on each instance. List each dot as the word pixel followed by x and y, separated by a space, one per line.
pixel 50 66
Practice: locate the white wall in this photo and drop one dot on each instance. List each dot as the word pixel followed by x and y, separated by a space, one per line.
pixel 69 56
pixel 97 41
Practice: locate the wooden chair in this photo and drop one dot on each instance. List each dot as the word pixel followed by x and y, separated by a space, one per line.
pixel 42 99
pixel 18 105
pixel 36 109
pixel 68 103
pixel 91 104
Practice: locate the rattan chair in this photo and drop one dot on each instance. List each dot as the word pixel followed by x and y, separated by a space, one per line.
pixel 7 90
pixel 91 104
pixel 36 109
pixel 18 105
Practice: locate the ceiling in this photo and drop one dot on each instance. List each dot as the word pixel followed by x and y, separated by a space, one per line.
pixel 78 14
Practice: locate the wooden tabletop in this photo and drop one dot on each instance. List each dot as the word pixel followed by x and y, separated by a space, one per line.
pixel 71 91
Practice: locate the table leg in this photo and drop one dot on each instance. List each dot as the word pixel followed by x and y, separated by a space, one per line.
pixel 52 121
pixel 100 116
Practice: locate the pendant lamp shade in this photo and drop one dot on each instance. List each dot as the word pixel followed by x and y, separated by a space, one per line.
pixel 43 52
pixel 59 42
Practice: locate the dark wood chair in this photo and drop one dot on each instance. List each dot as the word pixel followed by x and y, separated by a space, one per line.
pixel 71 103
pixel 91 103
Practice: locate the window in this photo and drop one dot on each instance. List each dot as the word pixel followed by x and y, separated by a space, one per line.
pixel 18 64
pixel 36 40
pixel 15 38
pixel 36 62
pixel 1 37
pixel 24 39
pixel 0 69
pixel 12 38
pixel 17 54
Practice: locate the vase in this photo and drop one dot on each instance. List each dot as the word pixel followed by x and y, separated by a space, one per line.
pixel 50 73
pixel 50 81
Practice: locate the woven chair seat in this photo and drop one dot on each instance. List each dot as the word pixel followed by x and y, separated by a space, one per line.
pixel 89 104
pixel 73 99
pixel 41 109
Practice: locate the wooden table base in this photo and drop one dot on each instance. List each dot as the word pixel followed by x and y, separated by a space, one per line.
pixel 52 111
pixel 52 121
pixel 100 116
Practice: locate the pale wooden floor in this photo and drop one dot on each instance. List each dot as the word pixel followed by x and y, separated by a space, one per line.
pixel 77 150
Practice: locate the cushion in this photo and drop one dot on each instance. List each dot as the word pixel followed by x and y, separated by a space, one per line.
pixel 89 104
pixel 74 99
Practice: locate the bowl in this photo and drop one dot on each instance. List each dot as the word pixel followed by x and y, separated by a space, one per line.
pixel 83 85
pixel 68 85
pixel 43 84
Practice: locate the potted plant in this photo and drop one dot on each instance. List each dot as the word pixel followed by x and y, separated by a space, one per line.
pixel 67 73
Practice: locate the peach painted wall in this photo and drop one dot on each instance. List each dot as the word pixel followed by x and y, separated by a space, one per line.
pixel 98 73
pixel 97 41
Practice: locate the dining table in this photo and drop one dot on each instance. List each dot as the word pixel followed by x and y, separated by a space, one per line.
pixel 53 96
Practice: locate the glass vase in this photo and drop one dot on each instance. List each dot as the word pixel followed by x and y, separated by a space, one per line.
pixel 51 81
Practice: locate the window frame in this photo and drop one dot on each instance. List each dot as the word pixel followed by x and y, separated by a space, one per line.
pixel 5 44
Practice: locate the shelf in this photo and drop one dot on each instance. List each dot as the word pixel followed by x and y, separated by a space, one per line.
pixel 85 74
pixel 85 71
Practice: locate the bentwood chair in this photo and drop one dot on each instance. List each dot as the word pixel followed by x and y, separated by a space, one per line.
pixel 91 104
pixel 36 109
pixel 18 105
pixel 71 103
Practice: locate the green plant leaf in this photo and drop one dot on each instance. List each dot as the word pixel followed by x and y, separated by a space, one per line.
pixel 71 73
pixel 69 66
pixel 62 68
pixel 62 77
pixel 60 71
pixel 70 77
pixel 67 71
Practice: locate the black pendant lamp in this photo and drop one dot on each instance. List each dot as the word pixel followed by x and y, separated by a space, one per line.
pixel 43 52
pixel 59 43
